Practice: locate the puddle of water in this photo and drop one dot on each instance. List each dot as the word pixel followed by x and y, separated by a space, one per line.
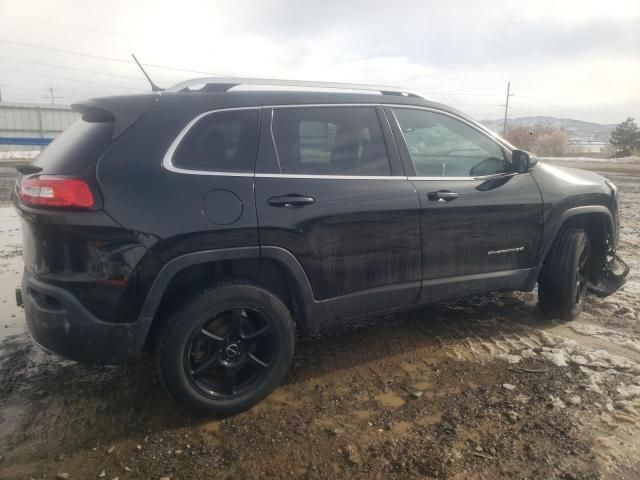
pixel 362 414
pixel 401 427
pixel 11 416
pixel 11 316
pixel 390 399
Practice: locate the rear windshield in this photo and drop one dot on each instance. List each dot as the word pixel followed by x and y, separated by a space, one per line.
pixel 77 150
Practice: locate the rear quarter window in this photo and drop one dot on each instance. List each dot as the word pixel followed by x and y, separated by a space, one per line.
pixel 225 141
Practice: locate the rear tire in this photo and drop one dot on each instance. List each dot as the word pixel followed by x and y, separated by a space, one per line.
pixel 225 348
pixel 563 281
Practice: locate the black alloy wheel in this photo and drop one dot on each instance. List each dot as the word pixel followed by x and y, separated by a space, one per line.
pixel 230 352
pixel 582 279
pixel 225 348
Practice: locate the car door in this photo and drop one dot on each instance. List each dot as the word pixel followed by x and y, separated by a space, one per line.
pixel 330 189
pixel 481 222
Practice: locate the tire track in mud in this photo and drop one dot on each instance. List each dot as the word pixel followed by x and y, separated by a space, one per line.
pixel 593 342
pixel 613 425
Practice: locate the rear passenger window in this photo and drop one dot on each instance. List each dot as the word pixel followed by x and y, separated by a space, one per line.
pixel 330 141
pixel 222 141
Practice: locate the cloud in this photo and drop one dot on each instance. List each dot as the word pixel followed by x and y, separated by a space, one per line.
pixel 573 58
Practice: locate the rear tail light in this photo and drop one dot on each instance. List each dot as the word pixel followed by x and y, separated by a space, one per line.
pixel 56 192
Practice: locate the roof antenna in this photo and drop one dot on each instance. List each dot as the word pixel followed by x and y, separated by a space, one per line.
pixel 154 87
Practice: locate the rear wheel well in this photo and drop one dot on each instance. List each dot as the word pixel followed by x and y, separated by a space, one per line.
pixel 264 272
pixel 598 229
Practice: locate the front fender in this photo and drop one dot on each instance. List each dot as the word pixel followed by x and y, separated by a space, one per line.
pixel 553 226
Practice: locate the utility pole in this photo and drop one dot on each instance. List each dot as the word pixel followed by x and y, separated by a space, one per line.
pixel 506 109
pixel 52 97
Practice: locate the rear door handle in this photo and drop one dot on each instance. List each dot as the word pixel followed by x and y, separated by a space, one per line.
pixel 442 196
pixel 291 201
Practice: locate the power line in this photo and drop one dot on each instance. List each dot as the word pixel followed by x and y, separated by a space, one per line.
pixel 102 57
pixel 11 87
pixel 61 50
pixel 201 72
pixel 541 101
pixel 63 25
pixel 75 69
pixel 72 79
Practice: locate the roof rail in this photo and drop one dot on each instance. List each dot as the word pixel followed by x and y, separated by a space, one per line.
pixel 223 84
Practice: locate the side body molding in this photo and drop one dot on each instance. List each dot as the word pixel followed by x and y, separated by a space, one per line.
pixel 553 226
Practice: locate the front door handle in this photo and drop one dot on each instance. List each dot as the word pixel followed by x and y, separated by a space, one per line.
pixel 291 201
pixel 442 196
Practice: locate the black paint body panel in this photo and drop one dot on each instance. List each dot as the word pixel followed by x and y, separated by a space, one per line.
pixel 358 234
pixel 459 236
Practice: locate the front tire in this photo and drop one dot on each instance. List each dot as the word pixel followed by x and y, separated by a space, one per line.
pixel 563 281
pixel 225 348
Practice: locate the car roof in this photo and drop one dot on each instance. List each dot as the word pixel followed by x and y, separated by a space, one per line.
pixel 202 95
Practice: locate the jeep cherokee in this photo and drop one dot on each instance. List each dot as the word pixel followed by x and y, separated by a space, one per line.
pixel 215 221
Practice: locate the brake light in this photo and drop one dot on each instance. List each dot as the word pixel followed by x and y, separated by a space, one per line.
pixel 56 192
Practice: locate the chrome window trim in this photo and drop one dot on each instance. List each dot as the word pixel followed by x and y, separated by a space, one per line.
pixel 477 179
pixel 167 160
pixel 334 177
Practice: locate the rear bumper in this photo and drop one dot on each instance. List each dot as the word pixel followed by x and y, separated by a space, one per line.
pixel 59 323
pixel 614 277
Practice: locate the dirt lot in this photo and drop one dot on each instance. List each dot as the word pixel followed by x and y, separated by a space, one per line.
pixel 484 388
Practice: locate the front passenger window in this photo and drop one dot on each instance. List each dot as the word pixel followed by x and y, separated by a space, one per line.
pixel 441 146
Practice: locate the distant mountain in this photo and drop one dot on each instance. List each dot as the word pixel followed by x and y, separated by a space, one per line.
pixel 580 131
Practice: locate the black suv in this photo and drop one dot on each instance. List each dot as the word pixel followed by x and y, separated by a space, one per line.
pixel 214 222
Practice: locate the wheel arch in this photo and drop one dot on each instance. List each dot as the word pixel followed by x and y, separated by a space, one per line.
pixel 272 268
pixel 596 220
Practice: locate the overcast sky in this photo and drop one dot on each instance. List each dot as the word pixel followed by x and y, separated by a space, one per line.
pixel 574 59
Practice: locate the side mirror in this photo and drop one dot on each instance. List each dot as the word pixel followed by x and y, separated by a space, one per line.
pixel 523 161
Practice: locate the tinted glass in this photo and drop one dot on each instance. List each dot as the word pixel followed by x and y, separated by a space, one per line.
pixel 222 141
pixel 77 149
pixel 441 146
pixel 330 141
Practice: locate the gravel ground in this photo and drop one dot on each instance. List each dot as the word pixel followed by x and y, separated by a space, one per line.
pixel 482 388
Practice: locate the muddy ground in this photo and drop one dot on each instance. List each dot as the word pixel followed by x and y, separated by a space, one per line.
pixel 483 388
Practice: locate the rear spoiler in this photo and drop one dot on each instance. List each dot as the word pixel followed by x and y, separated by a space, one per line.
pixel 124 111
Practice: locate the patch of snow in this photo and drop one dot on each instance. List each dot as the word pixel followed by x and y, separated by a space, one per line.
pixel 555 355
pixel 556 402
pixel 627 392
pixel 20 155
pixel 614 336
pixel 631 159
pixel 630 344
pixel 510 358
pixel 574 400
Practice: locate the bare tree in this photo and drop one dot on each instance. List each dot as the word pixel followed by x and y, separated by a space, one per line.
pixel 540 138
